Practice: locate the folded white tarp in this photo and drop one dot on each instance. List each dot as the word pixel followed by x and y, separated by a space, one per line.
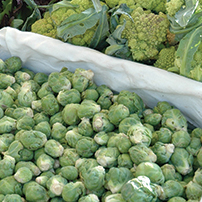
pixel 43 54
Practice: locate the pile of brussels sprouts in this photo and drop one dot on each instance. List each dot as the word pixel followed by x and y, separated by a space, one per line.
pixel 63 138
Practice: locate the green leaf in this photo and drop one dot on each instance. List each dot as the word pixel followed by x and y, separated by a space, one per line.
pixel 16 23
pixel 77 24
pixel 97 5
pixel 6 9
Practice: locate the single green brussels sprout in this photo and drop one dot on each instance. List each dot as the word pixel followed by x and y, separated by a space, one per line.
pixel 7 165
pixel 124 160
pixel 196 132
pixel 105 194
pixel 198 176
pixel 163 152
pixel 87 109
pixel 25 123
pixel 40 78
pixel 90 94
pixel 43 127
pixel 67 73
pixel 40 117
pixel 65 97
pixel 141 153
pixel 23 175
pixel 100 122
pixel 16 87
pixel 33 139
pixel 25 155
pixel 69 172
pixel 6 80
pixel 28 71
pixel 9 185
pixel 177 199
pixel 72 191
pixel 94 178
pixel 127 122
pixel 101 138
pixel 117 112
pixel 53 148
pixel 114 198
pixel 22 111
pixel 37 105
pixel 182 160
pixel 11 92
pixel 44 90
pixel 116 177
pixel 57 118
pixel 58 131
pixel 70 114
pixel 69 157
pixel 58 82
pixel 121 141
pixel 31 84
pixel 5 100
pixel 49 104
pixel 42 180
pixel 138 133
pixel 45 162
pixel 154 119
pixel 174 120
pixel 194 146
pixel 132 101
pixel 9 112
pixel 161 107
pixel 35 192
pixel 107 156
pixel 12 64
pixel 85 127
pixel 21 77
pixel 5 140
pixel 193 191
pixel 152 171
pixel 181 138
pixel 172 188
pixel 139 189
pixel 170 173
pixel 86 147
pixel 55 185
pixel 72 137
pixel 12 198
pixel 163 135
pixel 89 198
pixel 81 79
pixel 7 124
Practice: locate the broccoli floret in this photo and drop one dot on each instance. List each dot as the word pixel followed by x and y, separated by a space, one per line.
pixel 173 6
pixel 145 33
pixel 166 58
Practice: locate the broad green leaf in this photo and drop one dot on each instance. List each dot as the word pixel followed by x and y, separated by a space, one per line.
pixel 97 5
pixel 6 9
pixel 77 24
pixel 16 23
pixel 61 4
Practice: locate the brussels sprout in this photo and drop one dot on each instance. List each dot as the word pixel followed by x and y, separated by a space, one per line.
pixel 172 188
pixel 163 152
pixel 199 157
pixel 117 177
pixel 43 127
pixel 141 153
pixel 40 117
pixel 70 114
pixel 25 123
pixel 124 160
pixel 194 146
pixel 12 64
pixel 176 199
pixel 23 175
pixel 89 198
pixel 181 138
pixel 57 118
pixel 7 165
pixel 7 124
pixel 9 185
pixel 21 77
pixel 182 161
pixel 132 101
pixel 35 192
pixel 44 90
pixel 5 100
pixel 101 122
pixel 37 105
pixel 69 157
pixel 72 191
pixel 12 198
pixel 67 73
pixel 107 156
pixel 49 104
pixel 53 148
pixel 114 198
pixel 161 107
pixel 33 139
pixel 40 78
pixel 153 118
pixel 174 120
pixel 45 162
pixel 5 140
pixel 169 172
pixel 22 111
pixel 101 138
pixel 81 79
pixel 65 97
pixel 58 82
pixel 31 84
pixel 72 137
pixel 55 185
pixel 138 133
pixel 198 176
pixel 193 191
pixel 90 94
pixel 139 189
pixel 69 172
pixel 117 112
pixel 152 171
pixel 11 92
pixel 86 147
pixel 85 128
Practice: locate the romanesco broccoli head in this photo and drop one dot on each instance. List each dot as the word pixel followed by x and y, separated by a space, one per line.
pixel 173 6
pixel 166 58
pixel 145 33
pixel 114 3
pixel 153 5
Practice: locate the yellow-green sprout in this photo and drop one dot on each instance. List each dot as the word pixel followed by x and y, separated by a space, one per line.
pixel 69 172
pixel 6 80
pixel 40 78
pixel 7 165
pixel 23 175
pixel 85 127
pixel 45 162
pixel 12 64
